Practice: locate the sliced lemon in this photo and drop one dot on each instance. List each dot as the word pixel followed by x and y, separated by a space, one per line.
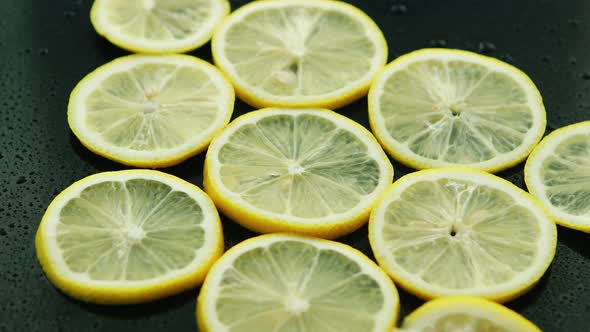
pixel 472 314
pixel 282 282
pixel 460 231
pixel 299 53
pixel 436 107
pixel 150 111
pixel 128 237
pixel 557 173
pixel 294 170
pixel 158 26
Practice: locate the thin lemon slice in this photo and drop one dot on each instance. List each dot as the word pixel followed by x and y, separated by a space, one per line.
pixel 453 314
pixel 557 173
pixel 437 107
pixel 158 26
pixel 284 282
pixel 460 231
pixel 128 237
pixel 150 111
pixel 294 170
pixel 299 53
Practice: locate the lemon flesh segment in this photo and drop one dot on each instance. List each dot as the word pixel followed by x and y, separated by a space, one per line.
pixel 465 314
pixel 310 171
pixel 558 174
pixel 457 231
pixel 128 236
pixel 436 108
pixel 291 283
pixel 158 26
pixel 299 53
pixel 150 111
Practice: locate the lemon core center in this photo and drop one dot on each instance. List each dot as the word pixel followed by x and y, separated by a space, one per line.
pixel 296 305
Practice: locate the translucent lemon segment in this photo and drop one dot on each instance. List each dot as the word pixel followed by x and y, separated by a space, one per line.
pixel 150 110
pixel 152 107
pixel 128 236
pixel 302 166
pixel 452 233
pixel 158 26
pixel 113 229
pixel 310 169
pixel 159 20
pixel 434 108
pixel 566 176
pixel 558 174
pixel 458 322
pixel 314 53
pixel 436 228
pixel 299 54
pixel 291 283
pixel 451 314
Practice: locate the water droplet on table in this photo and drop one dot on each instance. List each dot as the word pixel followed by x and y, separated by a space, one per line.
pixel 438 43
pixel 399 9
pixel 69 14
pixel 486 47
pixel 574 22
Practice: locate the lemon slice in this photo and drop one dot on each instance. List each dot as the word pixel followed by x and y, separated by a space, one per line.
pixel 460 231
pixel 299 53
pixel 308 171
pixel 158 26
pixel 284 282
pixel 150 111
pixel 128 237
pixel 472 314
pixel 437 107
pixel 557 173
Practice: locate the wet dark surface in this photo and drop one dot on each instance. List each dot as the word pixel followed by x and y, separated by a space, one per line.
pixel 46 47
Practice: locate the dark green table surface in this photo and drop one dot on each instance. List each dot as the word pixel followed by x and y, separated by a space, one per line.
pixel 47 46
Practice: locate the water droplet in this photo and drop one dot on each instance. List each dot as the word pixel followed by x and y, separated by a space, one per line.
pixel 546 58
pixel 399 9
pixel 573 60
pixel 506 57
pixel 21 180
pixel 70 14
pixel 486 47
pixel 43 51
pixel 585 75
pixel 574 22
pixel 560 41
pixel 438 43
